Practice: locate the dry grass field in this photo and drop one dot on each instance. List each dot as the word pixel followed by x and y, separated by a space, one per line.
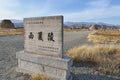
pixel 10 44
pixel 39 77
pixel 74 30
pixel 105 36
pixel 105 57
pixel 11 31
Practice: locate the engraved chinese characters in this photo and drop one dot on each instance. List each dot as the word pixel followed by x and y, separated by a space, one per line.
pixel 31 36
pixel 40 36
pixel 44 35
pixel 50 36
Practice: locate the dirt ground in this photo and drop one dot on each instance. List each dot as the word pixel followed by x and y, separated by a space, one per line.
pixel 9 45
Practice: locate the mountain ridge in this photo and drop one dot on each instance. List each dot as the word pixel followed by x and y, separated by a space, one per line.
pixel 19 23
pixel 88 24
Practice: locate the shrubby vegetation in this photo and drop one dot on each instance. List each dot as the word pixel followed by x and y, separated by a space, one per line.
pixel 39 77
pixel 105 57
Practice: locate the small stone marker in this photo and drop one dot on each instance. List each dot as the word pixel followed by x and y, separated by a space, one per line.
pixel 43 53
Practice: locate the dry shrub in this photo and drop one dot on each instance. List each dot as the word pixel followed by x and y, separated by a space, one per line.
pixel 79 53
pixel 105 36
pixel 107 57
pixel 39 77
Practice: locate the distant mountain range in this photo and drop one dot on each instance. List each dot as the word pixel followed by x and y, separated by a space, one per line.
pixel 19 23
pixel 89 24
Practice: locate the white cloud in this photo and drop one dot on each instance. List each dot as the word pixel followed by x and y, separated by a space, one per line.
pixel 5 8
pixel 94 9
pixel 8 3
pixel 99 3
pixel 97 9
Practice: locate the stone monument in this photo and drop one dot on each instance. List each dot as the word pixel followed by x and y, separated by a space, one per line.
pixel 43 48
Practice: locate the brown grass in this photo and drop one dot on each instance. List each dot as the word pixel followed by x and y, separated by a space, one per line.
pixel 106 57
pixel 39 77
pixel 74 30
pixel 11 31
pixel 105 36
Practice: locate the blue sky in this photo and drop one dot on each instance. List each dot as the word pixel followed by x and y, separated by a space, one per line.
pixel 107 11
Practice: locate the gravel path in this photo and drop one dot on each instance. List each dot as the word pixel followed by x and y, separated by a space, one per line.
pixel 74 39
pixel 9 45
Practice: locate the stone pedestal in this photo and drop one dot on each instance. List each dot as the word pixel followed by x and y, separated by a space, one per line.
pixel 57 68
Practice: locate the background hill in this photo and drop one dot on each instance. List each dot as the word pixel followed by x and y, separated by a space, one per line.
pixel 17 23
pixel 79 25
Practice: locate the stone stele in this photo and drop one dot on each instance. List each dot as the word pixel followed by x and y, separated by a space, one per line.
pixel 43 48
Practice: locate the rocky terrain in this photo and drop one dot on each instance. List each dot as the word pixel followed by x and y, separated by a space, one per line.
pixel 9 45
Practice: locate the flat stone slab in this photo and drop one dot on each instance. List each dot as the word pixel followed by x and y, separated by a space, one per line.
pixel 44 35
pixel 58 68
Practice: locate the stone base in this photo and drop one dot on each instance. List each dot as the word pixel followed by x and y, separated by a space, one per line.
pixel 57 68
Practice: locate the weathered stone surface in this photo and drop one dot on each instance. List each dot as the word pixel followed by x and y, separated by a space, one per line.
pixel 44 35
pixel 45 60
pixel 43 53
pixel 57 68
